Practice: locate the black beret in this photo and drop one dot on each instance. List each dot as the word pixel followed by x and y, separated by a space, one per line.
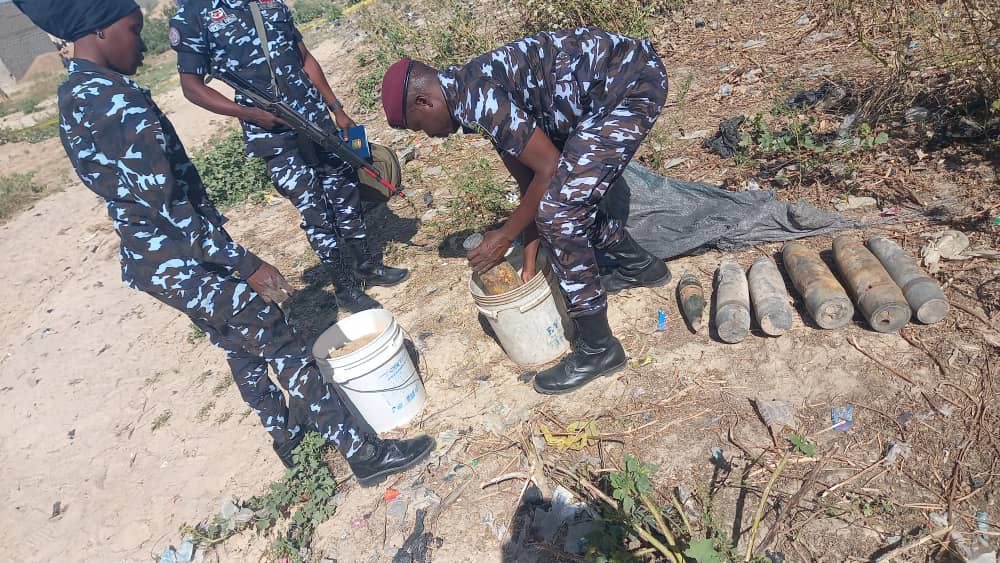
pixel 72 19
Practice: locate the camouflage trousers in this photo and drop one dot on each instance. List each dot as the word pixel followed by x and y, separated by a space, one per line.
pixel 326 196
pixel 255 336
pixel 569 222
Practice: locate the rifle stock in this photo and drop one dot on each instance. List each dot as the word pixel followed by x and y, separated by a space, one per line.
pixel 329 141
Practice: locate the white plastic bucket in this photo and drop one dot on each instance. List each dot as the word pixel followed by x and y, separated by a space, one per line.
pixel 379 378
pixel 527 320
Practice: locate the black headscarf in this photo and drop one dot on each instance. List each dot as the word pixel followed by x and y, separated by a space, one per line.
pixel 72 19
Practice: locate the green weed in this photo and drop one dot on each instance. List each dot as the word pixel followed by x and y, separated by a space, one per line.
pixel 231 178
pixel 308 10
pixel 195 334
pixel 302 499
pixel 17 191
pixel 155 31
pixel 481 198
pixel 628 17
pixel 34 134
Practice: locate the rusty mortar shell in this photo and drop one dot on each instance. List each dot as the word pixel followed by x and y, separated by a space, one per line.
pixel 691 297
pixel 879 298
pixel 770 298
pixel 732 298
pixel 825 299
pixel 922 292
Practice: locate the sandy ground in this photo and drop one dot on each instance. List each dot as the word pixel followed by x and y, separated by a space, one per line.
pixel 134 429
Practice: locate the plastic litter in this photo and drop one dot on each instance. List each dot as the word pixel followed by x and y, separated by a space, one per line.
pixel 661 321
pixel 417 546
pixel 359 523
pixel 182 554
pixel 391 495
pixel 948 245
pixel 636 363
pixel 672 217
pixel 983 526
pixel 395 511
pixel 842 417
pixel 727 140
pixel 855 202
pixel 896 451
pixel 776 414
pixel 424 498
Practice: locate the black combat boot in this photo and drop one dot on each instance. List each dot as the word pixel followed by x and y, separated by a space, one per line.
pixel 370 268
pixel 377 459
pixel 636 267
pixel 596 352
pixel 350 295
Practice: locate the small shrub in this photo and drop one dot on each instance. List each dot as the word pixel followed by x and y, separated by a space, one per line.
pixel 306 11
pixel 481 199
pixel 34 134
pixel 155 32
pixel 303 497
pixel 16 192
pixel 230 176
pixel 628 17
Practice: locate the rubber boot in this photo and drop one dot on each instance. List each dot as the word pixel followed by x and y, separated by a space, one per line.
pixel 370 268
pixel 596 352
pixel 636 267
pixel 377 459
pixel 350 295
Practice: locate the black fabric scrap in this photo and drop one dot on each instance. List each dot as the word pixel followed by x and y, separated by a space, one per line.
pixel 727 140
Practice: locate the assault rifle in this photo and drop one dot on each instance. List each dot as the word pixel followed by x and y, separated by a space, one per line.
pixel 329 141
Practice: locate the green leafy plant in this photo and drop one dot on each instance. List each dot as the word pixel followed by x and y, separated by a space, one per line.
pixel 230 176
pixel 868 139
pixel 631 483
pixel 308 10
pixel 195 334
pixel 802 444
pixel 303 499
pixel 703 551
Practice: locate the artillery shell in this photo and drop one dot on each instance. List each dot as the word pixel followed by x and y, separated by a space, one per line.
pixel 879 298
pixel 769 296
pixel 732 297
pixel 692 300
pixel 825 299
pixel 922 292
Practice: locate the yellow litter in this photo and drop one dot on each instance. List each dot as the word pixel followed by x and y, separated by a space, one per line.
pixel 578 435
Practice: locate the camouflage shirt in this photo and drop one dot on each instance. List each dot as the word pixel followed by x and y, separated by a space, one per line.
pixel 127 152
pixel 553 80
pixel 221 34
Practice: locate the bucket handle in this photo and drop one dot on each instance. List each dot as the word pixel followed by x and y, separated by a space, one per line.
pixel 538 300
pixel 405 384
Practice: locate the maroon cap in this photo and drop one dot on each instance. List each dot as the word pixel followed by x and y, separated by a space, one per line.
pixel 394 92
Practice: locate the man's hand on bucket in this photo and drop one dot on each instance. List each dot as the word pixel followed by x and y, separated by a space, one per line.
pixel 268 282
pixel 491 251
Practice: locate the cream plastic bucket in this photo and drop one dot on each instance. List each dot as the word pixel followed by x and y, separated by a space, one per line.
pixel 379 379
pixel 528 321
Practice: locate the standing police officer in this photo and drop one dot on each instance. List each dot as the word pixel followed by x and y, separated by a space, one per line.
pixel 566 111
pixel 259 41
pixel 173 246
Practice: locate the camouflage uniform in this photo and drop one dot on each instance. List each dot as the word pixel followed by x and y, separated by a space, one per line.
pixel 596 95
pixel 173 247
pixel 221 33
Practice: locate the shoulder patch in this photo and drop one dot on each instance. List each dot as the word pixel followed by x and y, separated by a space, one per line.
pixel 174 36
